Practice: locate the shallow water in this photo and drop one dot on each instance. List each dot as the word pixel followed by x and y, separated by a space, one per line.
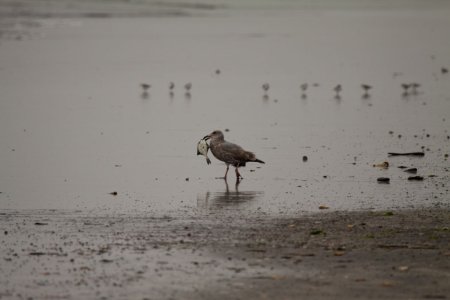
pixel 75 125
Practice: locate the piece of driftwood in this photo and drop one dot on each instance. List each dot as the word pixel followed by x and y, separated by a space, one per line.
pixel 407 154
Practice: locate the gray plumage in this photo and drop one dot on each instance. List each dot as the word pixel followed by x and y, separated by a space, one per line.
pixel 229 153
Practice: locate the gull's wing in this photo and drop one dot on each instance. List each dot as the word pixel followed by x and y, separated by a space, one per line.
pixel 231 151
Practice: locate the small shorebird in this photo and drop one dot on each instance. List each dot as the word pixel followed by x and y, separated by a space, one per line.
pixel 337 89
pixel 304 87
pixel 145 86
pixel 229 153
pixel 265 87
pixel 366 89
pixel 188 87
pixel 405 87
pixel 171 86
pixel 414 87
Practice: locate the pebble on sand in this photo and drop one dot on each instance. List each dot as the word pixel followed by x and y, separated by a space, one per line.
pixel 415 178
pixel 383 180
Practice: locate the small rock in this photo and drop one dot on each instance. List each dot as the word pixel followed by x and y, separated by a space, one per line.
pixel 113 193
pixel 403 268
pixel 383 180
pixel 40 223
pixel 383 165
pixel 387 283
pixel 416 178
pixel 316 232
pixel 411 170
pixel 305 158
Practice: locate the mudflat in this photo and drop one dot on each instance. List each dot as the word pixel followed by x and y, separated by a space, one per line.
pixel 329 255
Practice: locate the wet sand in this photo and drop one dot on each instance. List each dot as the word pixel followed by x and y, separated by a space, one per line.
pixel 358 255
pixel 102 195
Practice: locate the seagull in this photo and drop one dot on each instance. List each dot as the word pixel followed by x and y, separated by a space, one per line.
pixel 188 86
pixel 229 153
pixel 171 86
pixel 265 87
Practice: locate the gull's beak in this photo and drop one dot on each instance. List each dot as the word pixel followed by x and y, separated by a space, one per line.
pixel 207 137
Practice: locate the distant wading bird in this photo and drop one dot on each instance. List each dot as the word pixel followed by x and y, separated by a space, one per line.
pixel 366 89
pixel 304 87
pixel 145 86
pixel 405 87
pixel 229 153
pixel 337 89
pixel 414 87
pixel 265 87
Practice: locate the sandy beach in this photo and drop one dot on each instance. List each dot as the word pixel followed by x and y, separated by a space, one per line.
pixel 102 195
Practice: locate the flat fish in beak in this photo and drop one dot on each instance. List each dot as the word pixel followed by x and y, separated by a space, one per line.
pixel 202 149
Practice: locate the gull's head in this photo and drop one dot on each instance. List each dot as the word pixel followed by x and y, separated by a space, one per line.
pixel 215 135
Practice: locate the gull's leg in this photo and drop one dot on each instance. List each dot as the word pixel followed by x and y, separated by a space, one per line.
pixel 226 172
pixel 238 175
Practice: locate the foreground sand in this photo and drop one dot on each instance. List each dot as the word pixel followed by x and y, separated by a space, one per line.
pixel 344 255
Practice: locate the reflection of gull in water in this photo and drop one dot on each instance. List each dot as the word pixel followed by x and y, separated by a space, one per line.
pixel 227 198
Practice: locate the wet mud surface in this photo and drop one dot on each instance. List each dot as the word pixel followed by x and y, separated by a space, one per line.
pixel 73 255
